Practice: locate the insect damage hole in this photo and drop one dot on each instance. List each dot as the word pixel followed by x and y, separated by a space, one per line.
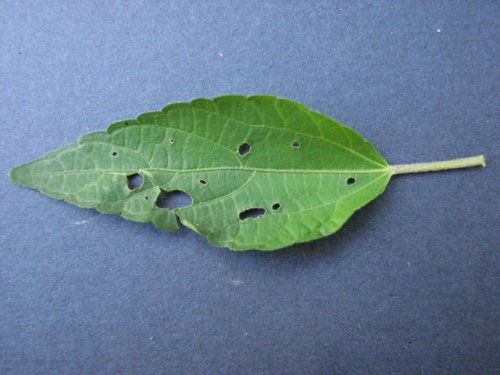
pixel 114 153
pixel 172 141
pixel 276 206
pixel 134 181
pixel 173 199
pixel 350 181
pixel 296 144
pixel 244 149
pixel 203 182
pixel 252 213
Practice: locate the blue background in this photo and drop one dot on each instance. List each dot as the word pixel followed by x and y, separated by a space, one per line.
pixel 409 285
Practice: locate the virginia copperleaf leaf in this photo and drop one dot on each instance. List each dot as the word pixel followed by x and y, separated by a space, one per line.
pixel 262 172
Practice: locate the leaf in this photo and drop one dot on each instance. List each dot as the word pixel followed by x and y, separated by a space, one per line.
pixel 260 172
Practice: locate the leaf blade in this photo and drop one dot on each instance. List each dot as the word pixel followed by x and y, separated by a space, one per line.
pixel 297 159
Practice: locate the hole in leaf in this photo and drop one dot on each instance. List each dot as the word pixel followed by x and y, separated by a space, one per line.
pixel 172 140
pixel 276 206
pixel 114 153
pixel 146 197
pixel 252 213
pixel 244 149
pixel 173 199
pixel 295 144
pixel 203 182
pixel 350 181
pixel 134 181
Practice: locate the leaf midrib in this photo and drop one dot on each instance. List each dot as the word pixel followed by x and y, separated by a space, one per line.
pixel 247 169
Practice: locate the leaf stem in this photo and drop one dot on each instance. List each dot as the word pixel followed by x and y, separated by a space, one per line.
pixel 473 161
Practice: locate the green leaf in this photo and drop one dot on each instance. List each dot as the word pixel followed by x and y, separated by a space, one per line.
pixel 262 172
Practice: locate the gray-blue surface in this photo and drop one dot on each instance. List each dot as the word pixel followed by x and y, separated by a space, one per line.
pixel 409 285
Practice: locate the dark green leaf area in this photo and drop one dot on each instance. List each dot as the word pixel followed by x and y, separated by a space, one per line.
pixel 261 172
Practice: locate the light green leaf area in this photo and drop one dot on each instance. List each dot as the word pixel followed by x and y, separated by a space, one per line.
pixel 262 172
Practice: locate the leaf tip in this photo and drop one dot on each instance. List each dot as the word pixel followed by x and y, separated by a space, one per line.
pixel 19 176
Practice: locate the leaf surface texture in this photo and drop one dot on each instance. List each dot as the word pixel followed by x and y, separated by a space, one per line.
pixel 261 172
